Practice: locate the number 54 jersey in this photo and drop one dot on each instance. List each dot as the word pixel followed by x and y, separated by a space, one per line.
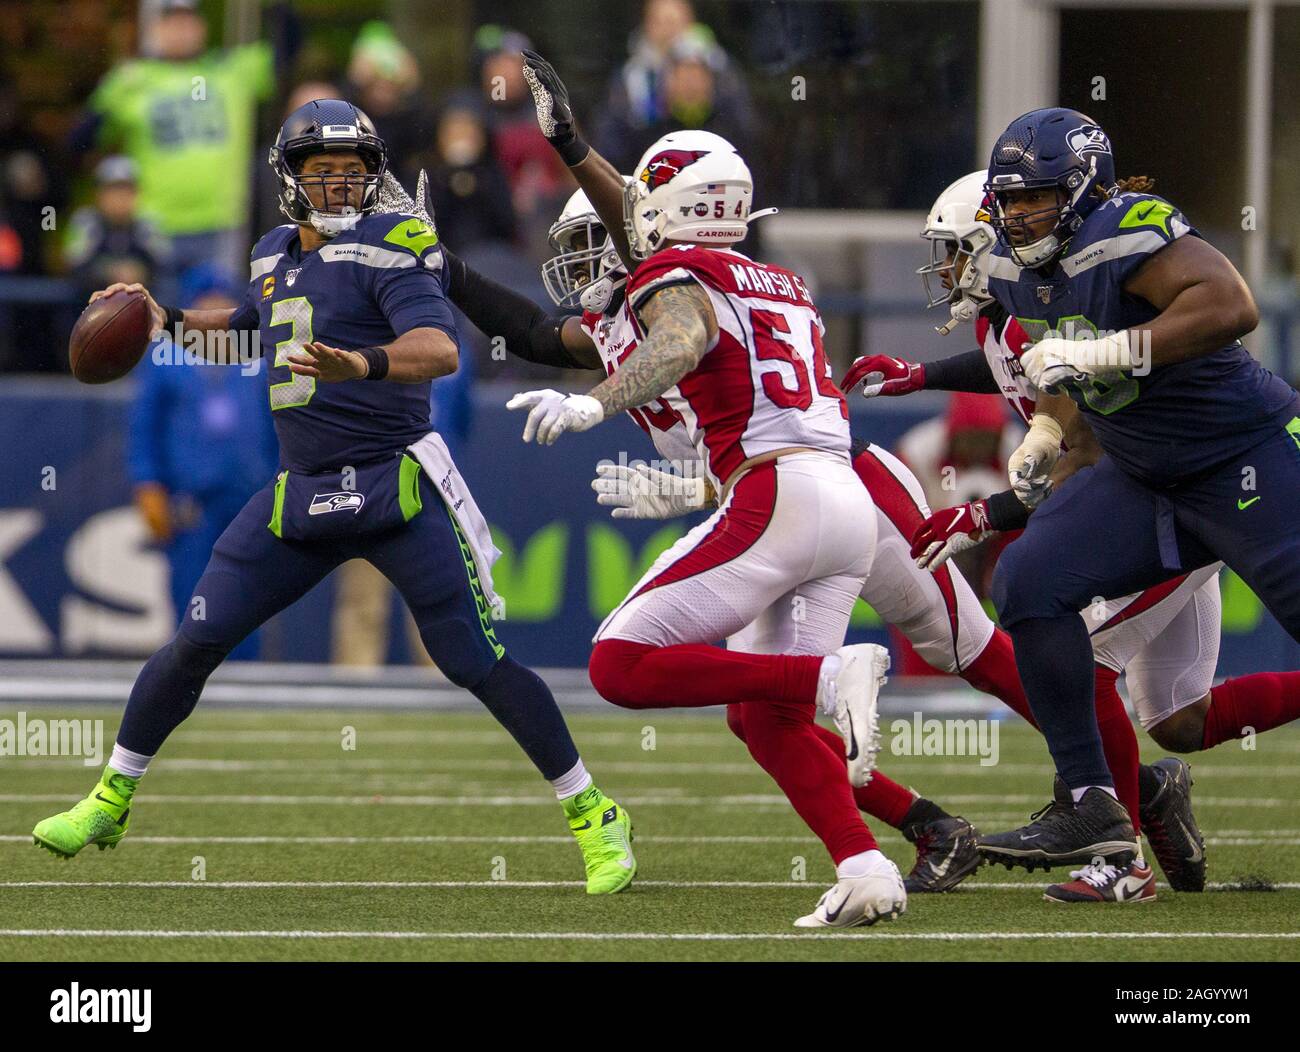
pixel 764 383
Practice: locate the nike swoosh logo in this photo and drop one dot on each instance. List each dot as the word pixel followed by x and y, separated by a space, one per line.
pixel 106 800
pixel 1032 836
pixel 833 916
pixel 1242 505
pixel 1143 215
pixel 626 860
pixel 1196 854
pixel 1130 887
pixel 941 870
pixel 585 825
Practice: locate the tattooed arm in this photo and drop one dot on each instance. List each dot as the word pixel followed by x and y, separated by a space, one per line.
pixel 680 327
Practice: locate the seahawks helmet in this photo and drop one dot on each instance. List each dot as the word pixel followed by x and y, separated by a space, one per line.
pixel 321 126
pixel 1058 148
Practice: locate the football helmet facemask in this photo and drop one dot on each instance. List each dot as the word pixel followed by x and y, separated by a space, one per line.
pixel 585 269
pixel 323 126
pixel 959 224
pixel 1058 148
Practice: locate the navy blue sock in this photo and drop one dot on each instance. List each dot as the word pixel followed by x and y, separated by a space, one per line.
pixel 524 705
pixel 165 693
pixel 1054 656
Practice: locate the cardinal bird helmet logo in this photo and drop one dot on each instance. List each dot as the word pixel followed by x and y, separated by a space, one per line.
pixel 663 166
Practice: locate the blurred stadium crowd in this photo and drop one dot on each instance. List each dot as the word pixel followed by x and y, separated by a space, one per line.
pixel 133 145
pixel 109 177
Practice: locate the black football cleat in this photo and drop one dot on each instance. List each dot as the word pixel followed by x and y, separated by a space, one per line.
pixel 1062 834
pixel 946 854
pixel 1171 828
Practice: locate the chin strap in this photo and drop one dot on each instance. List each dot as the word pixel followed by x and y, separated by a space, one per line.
pixel 330 224
pixel 963 310
pixel 596 296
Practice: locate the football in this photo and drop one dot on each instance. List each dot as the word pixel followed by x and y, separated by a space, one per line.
pixel 109 337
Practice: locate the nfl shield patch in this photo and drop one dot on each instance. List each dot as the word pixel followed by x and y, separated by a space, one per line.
pixel 1045 294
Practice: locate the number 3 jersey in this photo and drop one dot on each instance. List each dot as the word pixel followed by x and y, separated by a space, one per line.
pixel 1178 421
pixel 366 286
pixel 764 383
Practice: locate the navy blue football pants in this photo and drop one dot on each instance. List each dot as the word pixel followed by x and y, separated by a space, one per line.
pixel 253 575
pixel 1106 535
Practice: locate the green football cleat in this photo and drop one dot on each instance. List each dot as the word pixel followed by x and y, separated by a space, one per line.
pixel 102 818
pixel 604 832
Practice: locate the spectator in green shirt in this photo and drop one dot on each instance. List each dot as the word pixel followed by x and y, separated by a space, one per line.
pixel 186 117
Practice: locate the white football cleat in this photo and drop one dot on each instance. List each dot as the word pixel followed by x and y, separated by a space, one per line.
pixel 851 699
pixel 859 901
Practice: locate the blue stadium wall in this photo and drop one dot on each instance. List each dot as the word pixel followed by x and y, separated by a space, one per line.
pixel 78 578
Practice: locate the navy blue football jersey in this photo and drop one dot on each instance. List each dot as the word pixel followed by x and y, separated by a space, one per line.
pixel 1179 420
pixel 366 286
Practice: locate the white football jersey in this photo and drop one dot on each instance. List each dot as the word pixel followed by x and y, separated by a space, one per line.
pixel 615 338
pixel 765 383
pixel 1002 340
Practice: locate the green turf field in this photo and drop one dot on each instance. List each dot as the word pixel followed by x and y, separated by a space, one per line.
pixel 435 839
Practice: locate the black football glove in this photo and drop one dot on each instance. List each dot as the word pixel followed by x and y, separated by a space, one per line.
pixel 554 114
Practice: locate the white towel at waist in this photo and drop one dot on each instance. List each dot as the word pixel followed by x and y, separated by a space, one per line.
pixel 435 459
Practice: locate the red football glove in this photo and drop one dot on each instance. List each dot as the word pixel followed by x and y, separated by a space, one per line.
pixel 947 532
pixel 884 376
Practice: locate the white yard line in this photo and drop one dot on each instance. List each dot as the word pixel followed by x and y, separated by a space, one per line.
pixel 810 885
pixel 1235 840
pixel 629 936
pixel 349 762
pixel 667 796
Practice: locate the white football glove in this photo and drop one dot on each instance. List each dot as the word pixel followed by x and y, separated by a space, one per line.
pixel 550 414
pixel 642 492
pixel 1053 360
pixel 1032 462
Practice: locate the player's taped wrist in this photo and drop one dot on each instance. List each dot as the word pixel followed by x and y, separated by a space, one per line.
pixel 173 321
pixel 1048 427
pixel 1006 511
pixel 376 362
pixel 573 149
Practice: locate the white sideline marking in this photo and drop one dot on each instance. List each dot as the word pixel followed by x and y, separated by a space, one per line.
pixel 632 936
pixel 669 796
pixel 1028 884
pixel 1211 841
pixel 347 766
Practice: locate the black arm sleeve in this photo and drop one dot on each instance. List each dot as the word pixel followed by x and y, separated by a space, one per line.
pixel 530 332
pixel 1006 512
pixel 962 372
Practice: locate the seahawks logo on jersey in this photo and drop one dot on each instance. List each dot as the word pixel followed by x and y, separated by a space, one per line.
pixel 324 503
